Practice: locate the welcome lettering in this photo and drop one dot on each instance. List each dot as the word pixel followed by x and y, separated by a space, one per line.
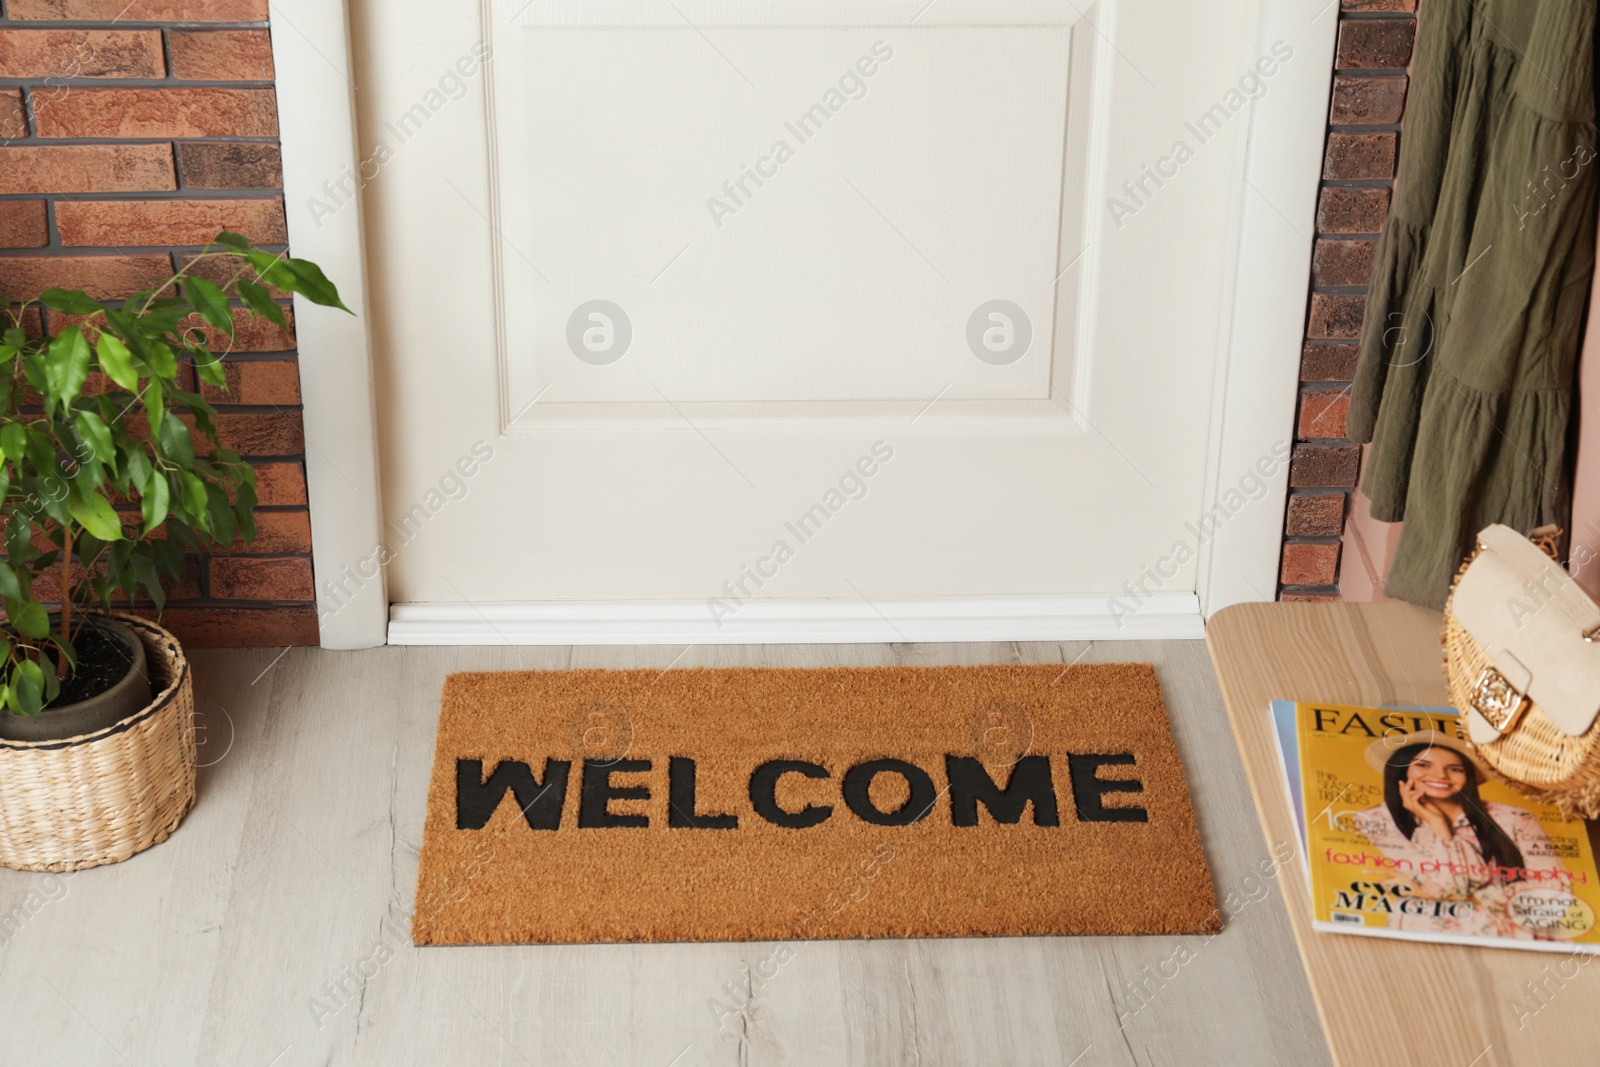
pixel 1028 789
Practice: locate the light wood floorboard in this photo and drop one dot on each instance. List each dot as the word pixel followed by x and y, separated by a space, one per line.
pixel 297 869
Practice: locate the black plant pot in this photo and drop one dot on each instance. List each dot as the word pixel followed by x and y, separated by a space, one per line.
pixel 129 695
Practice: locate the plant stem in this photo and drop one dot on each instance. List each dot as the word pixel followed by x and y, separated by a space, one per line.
pixel 66 597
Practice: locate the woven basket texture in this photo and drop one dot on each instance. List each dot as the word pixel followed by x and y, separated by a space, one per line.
pixel 100 798
pixel 1536 758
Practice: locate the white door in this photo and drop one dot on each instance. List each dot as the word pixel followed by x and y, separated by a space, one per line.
pixel 785 320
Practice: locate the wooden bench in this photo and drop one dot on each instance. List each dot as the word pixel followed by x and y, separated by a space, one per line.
pixel 1387 1001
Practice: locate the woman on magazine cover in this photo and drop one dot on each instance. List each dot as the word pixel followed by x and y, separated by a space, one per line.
pixel 1447 842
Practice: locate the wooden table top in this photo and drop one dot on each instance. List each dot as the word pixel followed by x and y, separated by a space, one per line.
pixel 1384 1001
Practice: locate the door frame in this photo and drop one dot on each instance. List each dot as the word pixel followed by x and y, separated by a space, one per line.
pixel 1254 405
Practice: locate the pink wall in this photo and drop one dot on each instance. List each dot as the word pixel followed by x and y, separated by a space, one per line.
pixel 1585 560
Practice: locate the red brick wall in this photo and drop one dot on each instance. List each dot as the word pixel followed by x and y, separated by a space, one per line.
pixel 130 133
pixel 1369 89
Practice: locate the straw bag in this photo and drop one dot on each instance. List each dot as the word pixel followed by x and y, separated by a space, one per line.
pixel 1522 659
pixel 100 798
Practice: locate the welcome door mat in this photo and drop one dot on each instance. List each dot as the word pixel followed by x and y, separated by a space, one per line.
pixel 759 804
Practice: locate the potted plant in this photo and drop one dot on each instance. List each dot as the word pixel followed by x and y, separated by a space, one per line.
pixel 112 473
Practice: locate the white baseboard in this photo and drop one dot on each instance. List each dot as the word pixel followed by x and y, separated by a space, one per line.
pixel 1165 616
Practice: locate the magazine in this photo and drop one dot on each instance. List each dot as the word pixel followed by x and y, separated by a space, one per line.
pixel 1406 834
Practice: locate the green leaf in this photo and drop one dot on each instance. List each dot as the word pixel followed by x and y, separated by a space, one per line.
pixel 194 498
pixel 272 271
pixel 73 302
pixel 55 504
pixel 117 361
pixel 27 681
pixel 244 507
pixel 95 514
pixel 236 241
pixel 131 328
pixel 138 467
pixel 311 283
pixel 14 442
pixel 98 435
pixel 167 555
pixel 19 535
pixel 210 368
pixel 145 571
pixel 259 300
pixel 211 302
pixel 176 442
pixel 155 407
pixel 27 616
pixel 52 687
pixel 180 539
pixel 68 366
pixel 224 523
pixel 9 586
pixel 162 361
pixel 153 500
pixel 64 648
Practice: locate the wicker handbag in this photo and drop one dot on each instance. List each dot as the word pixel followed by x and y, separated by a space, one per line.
pixel 1522 659
pixel 100 798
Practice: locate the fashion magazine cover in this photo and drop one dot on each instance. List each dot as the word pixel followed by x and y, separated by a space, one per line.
pixel 1407 835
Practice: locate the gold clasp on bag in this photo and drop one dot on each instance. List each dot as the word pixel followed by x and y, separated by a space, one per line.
pixel 1496 699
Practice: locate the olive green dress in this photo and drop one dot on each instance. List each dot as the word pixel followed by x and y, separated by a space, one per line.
pixel 1465 378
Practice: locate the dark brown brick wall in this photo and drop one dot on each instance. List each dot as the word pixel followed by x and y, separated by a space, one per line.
pixel 1364 122
pixel 129 135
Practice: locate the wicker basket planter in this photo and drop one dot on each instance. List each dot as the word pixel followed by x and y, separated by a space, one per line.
pixel 102 797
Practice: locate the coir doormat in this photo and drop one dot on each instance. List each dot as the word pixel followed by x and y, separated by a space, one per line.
pixel 731 805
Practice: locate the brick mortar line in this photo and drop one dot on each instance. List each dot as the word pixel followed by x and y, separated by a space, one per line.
pixel 1362 129
pixel 111 252
pixel 273 509
pixel 136 196
pixel 35 141
pixel 209 602
pixel 253 409
pixel 241 605
pixel 258 555
pixel 9 22
pixel 84 83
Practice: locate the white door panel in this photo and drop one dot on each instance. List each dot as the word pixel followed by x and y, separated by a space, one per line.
pixel 772 346
pixel 822 238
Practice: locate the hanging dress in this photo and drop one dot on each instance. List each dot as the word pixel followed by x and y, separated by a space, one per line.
pixel 1465 376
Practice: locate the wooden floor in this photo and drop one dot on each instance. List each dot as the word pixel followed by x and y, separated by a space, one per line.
pixel 295 875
